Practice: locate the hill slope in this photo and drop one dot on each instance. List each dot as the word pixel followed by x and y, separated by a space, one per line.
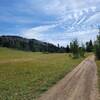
pixel 28 44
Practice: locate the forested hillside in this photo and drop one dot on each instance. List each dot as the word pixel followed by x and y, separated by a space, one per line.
pixel 28 44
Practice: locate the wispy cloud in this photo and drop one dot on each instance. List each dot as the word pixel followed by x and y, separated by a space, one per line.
pixel 37 31
pixel 50 20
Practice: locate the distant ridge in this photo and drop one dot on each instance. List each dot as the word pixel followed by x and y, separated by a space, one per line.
pixel 25 44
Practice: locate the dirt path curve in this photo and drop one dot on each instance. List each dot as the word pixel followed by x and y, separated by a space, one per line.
pixel 80 84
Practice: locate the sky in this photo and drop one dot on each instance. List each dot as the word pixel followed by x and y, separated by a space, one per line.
pixel 54 21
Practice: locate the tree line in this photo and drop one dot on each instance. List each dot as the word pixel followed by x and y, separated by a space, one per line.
pixel 34 45
pixel 79 51
pixel 39 46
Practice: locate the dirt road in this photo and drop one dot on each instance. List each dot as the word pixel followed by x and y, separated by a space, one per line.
pixel 80 84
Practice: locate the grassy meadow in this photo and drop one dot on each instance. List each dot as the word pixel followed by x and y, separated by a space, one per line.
pixel 25 75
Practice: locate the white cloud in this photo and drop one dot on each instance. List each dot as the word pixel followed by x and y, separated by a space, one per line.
pixel 70 16
pixel 36 32
pixel 55 7
pixel 93 20
pixel 80 13
pixel 83 33
pixel 82 36
pixel 86 10
pixel 93 8
pixel 81 20
pixel 76 16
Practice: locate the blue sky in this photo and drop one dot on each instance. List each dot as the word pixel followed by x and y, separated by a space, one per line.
pixel 55 21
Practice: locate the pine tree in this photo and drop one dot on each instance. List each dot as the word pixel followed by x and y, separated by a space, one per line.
pixel 75 48
pixel 89 46
pixel 67 49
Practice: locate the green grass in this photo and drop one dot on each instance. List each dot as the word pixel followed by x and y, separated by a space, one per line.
pixel 26 80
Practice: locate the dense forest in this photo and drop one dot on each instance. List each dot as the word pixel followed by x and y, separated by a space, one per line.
pixel 33 45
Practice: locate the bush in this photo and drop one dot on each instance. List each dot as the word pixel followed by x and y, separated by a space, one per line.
pixel 76 50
